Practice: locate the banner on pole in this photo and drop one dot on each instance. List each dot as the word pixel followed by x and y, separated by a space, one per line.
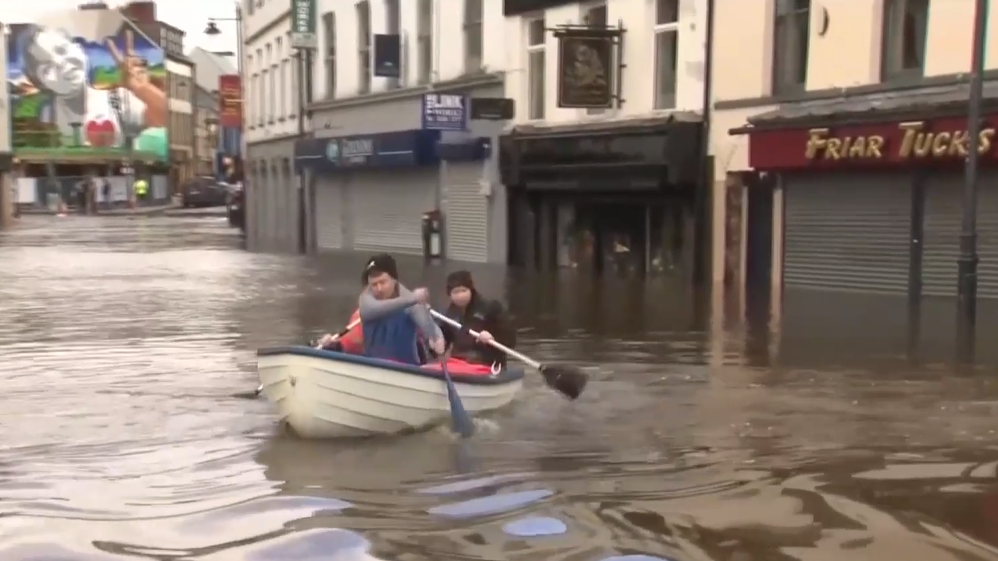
pixel 303 25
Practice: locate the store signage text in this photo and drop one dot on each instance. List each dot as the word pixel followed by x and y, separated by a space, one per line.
pixel 913 141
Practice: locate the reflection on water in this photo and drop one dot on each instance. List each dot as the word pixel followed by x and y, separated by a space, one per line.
pixel 808 434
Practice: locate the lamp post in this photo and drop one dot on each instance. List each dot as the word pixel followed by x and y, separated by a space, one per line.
pixel 967 264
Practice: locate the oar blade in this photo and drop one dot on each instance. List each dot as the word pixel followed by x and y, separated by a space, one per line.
pixel 460 420
pixel 566 380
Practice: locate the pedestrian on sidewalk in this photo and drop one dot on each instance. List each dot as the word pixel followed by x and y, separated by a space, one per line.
pixel 106 192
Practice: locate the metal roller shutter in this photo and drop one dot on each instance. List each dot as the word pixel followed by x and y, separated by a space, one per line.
pixel 387 208
pixel 847 234
pixel 943 217
pixel 329 212
pixel 466 213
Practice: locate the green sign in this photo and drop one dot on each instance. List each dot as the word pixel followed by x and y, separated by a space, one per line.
pixel 303 25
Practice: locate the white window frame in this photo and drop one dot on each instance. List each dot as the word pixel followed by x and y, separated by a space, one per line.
pixel 532 50
pixel 364 78
pixel 329 55
pixel 474 29
pixel 658 30
pixel 393 26
pixel 424 42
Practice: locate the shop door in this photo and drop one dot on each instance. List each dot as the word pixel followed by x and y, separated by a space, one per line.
pixel 387 208
pixel 466 213
pixel 847 233
pixel 943 217
pixel 328 211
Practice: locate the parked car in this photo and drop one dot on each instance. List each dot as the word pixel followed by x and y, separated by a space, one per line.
pixel 203 191
pixel 235 206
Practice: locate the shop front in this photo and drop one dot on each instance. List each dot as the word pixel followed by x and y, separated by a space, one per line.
pixel 873 203
pixel 273 210
pixel 619 199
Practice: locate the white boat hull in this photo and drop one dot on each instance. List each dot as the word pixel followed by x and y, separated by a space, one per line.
pixel 322 394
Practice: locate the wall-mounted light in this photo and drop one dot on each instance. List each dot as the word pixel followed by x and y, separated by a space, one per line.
pixel 821 20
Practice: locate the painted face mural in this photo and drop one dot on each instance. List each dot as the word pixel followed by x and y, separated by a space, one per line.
pixel 87 80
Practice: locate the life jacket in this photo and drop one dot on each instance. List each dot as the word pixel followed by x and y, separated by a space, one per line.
pixel 353 341
pixel 394 337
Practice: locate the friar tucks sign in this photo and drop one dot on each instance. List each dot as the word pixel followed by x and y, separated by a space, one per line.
pixel 303 25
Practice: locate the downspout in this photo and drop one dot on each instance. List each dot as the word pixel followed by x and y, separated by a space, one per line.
pixel 703 198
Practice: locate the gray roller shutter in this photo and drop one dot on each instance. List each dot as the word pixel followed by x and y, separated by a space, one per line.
pixel 943 217
pixel 466 213
pixel 387 208
pixel 329 212
pixel 847 233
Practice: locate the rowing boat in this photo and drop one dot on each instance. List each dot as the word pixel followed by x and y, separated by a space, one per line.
pixel 327 394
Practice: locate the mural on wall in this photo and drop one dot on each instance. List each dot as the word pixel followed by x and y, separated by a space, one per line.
pixel 89 81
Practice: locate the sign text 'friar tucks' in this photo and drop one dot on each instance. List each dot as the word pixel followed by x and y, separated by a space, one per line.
pixel 915 142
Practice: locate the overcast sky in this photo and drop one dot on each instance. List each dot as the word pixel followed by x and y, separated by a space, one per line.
pixel 189 15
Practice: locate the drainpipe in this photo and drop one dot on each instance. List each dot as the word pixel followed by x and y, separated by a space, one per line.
pixel 703 197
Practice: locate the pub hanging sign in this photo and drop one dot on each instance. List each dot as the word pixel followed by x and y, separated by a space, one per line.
pixel 585 67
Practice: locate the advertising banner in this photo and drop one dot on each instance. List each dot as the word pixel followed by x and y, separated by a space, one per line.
pixel 230 101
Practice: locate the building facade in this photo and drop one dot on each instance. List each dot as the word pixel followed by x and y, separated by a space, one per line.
pixel 101 124
pixel 601 165
pixel 181 90
pixel 393 142
pixel 271 85
pixel 841 147
pixel 206 131
pixel 215 143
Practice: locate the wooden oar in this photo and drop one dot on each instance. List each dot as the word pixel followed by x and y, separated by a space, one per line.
pixel 566 380
pixel 333 339
pixel 461 423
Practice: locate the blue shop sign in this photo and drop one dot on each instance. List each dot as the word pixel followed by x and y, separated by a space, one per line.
pixel 383 150
pixel 445 112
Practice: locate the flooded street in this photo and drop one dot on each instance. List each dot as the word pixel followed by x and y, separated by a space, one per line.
pixel 122 342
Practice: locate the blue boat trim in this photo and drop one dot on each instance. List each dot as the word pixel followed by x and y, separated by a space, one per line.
pixel 505 377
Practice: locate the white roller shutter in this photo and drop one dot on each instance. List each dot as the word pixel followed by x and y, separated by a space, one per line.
pixel 466 213
pixel 387 208
pixel 329 212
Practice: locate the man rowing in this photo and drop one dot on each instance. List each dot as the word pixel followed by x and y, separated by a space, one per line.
pixel 476 313
pixel 396 321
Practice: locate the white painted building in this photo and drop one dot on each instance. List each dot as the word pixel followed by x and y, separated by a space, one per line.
pixel 270 90
pixel 375 201
pixel 606 186
pixel 664 46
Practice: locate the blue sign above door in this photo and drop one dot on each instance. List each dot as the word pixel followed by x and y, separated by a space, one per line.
pixel 444 112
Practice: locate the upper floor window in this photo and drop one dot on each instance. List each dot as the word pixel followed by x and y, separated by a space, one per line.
pixel 790 38
pixel 424 40
pixel 473 35
pixel 904 34
pixel 536 33
pixel 666 52
pixel 393 26
pixel 329 39
pixel 364 47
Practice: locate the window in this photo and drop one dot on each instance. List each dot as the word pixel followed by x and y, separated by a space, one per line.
pixel 329 61
pixel 271 85
pixel 363 47
pixel 285 94
pixel 424 41
pixel 790 37
pixel 905 23
pixel 535 69
pixel 393 26
pixel 666 51
pixel 597 17
pixel 472 35
pixel 249 103
pixel 278 70
pixel 294 94
pixel 255 101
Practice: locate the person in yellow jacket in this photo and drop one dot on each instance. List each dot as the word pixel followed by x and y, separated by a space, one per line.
pixel 141 189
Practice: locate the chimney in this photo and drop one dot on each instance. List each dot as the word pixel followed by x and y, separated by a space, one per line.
pixel 140 12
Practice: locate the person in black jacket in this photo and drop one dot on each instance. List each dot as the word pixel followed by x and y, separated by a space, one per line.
pixel 475 312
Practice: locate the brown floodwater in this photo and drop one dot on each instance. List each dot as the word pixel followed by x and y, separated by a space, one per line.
pixel 810 432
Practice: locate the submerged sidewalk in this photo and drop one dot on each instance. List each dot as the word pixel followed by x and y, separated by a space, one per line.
pixel 169 209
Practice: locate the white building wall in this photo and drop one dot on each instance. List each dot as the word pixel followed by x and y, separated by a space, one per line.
pixel 448 42
pixel 638 17
pixel 270 98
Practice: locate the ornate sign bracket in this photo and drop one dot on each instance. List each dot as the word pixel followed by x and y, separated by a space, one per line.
pixel 590 65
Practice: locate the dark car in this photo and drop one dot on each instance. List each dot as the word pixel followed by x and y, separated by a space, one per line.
pixel 235 206
pixel 204 191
